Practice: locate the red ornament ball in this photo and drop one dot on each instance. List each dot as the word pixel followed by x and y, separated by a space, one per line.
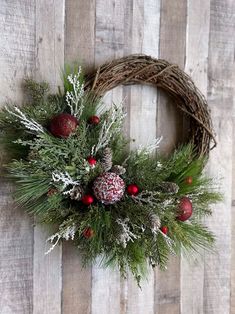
pixel 164 229
pixel 88 233
pixel 185 209
pixel 94 120
pixel 189 180
pixel 63 125
pixel 91 160
pixel 87 199
pixel 108 188
pixel 132 189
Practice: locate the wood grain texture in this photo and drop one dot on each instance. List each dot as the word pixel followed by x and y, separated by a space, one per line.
pixel 49 24
pixel 109 42
pixel 142 108
pixel 172 48
pixel 197 38
pixel 16 230
pixel 79 47
pixel 36 38
pixel 170 126
pixel 220 97
pixel 49 60
pixel 80 32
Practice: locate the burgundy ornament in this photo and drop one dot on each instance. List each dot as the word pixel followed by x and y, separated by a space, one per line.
pixel 63 125
pixel 94 120
pixel 185 209
pixel 132 189
pixel 87 199
pixel 108 188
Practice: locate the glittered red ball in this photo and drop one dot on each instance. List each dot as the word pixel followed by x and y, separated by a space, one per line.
pixel 87 199
pixel 94 120
pixel 189 180
pixel 108 188
pixel 132 189
pixel 185 209
pixel 63 125
pixel 91 160
pixel 164 229
pixel 88 233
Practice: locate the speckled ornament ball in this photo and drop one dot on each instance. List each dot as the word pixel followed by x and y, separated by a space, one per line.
pixel 185 209
pixel 63 125
pixel 108 188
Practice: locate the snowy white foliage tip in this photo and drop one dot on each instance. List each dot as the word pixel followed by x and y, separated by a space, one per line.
pixel 30 124
pixel 126 235
pixel 155 144
pixel 66 231
pixel 74 97
pixel 65 179
pixel 111 126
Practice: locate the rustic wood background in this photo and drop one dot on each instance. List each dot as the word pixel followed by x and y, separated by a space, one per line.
pixel 36 38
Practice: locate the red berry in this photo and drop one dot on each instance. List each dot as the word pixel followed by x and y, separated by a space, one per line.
pixel 94 120
pixel 52 191
pixel 164 229
pixel 91 160
pixel 63 125
pixel 189 180
pixel 185 209
pixel 88 233
pixel 132 189
pixel 87 199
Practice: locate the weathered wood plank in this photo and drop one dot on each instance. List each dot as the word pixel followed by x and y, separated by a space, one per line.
pixel 169 125
pixel 141 36
pixel 220 97
pixel 109 42
pixel 16 230
pixel 79 47
pixel 198 17
pixel 49 59
pixel 79 32
pixel 232 279
pixel 172 48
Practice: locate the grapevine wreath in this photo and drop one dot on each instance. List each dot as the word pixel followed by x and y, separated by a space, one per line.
pixel 72 167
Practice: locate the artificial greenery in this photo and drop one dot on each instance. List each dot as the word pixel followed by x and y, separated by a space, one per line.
pixel 126 233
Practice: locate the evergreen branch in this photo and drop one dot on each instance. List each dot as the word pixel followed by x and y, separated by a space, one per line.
pixel 30 124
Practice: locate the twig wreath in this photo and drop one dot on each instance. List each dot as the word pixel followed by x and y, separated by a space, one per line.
pixel 72 167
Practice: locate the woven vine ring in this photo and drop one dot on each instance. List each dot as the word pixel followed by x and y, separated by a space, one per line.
pixel 142 69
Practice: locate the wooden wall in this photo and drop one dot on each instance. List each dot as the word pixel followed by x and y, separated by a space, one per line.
pixel 36 38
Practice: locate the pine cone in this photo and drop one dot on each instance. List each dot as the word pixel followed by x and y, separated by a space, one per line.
pixel 76 193
pixel 118 169
pixel 106 161
pixel 33 154
pixel 155 222
pixel 170 187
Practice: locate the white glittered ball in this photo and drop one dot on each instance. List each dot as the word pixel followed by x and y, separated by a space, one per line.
pixel 108 188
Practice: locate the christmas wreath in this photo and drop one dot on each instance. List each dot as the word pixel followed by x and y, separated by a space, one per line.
pixel 72 167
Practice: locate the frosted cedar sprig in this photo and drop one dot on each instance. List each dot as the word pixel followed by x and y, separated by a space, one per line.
pixel 125 235
pixel 148 149
pixel 111 126
pixel 75 96
pixel 28 123
pixel 64 178
pixel 155 222
pixel 66 231
pixel 147 197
